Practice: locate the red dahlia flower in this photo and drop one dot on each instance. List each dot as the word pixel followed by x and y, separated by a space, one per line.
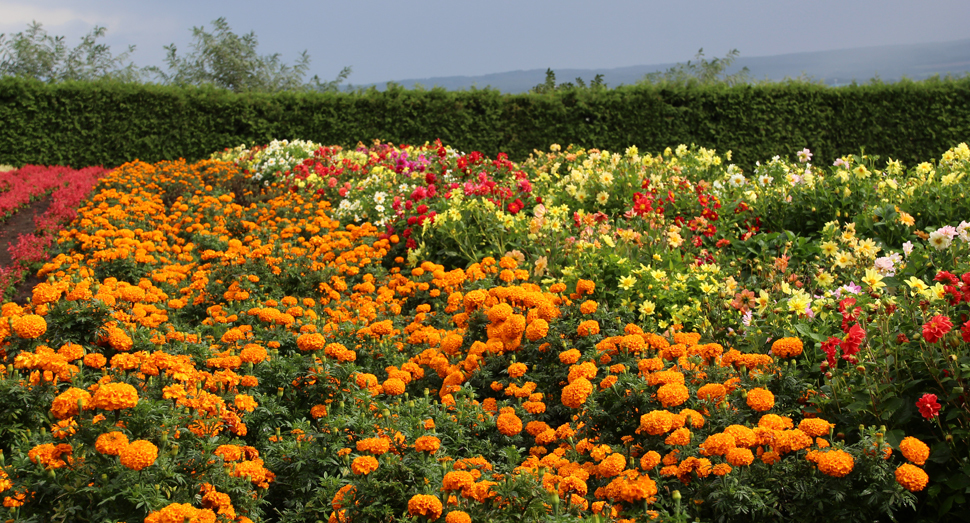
pixel 928 406
pixel 936 328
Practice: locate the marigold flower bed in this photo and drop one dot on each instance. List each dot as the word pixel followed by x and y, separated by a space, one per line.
pixel 208 355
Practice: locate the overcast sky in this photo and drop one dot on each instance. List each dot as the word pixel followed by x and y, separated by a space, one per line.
pixel 394 40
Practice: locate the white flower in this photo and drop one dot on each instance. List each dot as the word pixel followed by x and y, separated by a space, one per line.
pixel 939 240
pixel 737 180
pixel 963 231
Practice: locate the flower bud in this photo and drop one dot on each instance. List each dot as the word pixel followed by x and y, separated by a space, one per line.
pixel 675 495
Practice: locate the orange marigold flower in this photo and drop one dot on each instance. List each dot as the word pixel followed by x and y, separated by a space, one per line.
pixel 673 394
pixel 787 348
pixel 377 446
pixel 835 463
pixel 393 387
pixel 312 341
pixel 770 458
pixel 425 505
pixel 138 454
pixel 739 457
pixel 570 356
pixel 656 422
pixel 181 512
pixel 588 307
pixel 712 392
pixel 119 340
pixel 95 360
pixel 499 312
pixel 718 444
pixel 517 369
pixel 914 450
pixel 457 480
pixel 911 477
pixel 458 516
pixel 760 399
pixel 693 417
pixel 588 328
pixel 721 469
pixel 775 422
pixel 346 493
pixel 576 393
pixel 318 411
pixel 509 424
pixel 429 444
pixel 612 466
pixel 585 287
pixel 815 427
pixel 245 402
pixel 253 353
pixel 680 436
pixel 65 405
pixel 29 326
pixel 115 396
pixel 364 465
pixel 650 460
pixel 228 452
pixel 451 344
pixel 64 428
pixel 50 456
pixel 537 329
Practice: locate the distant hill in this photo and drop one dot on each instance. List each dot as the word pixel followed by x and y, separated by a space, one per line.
pixel 839 67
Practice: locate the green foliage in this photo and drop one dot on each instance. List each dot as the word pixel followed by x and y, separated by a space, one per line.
pixel 35 54
pixel 702 72
pixel 230 61
pixel 550 84
pixel 112 123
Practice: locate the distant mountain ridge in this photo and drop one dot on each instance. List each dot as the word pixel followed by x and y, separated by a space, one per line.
pixel 839 67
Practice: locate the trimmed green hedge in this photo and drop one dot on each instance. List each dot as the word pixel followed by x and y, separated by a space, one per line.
pixel 102 123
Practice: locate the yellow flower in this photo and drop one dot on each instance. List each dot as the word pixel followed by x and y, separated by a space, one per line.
pixel 647 308
pixel 627 282
pixel 843 259
pixel 825 279
pixel 916 284
pixel 867 248
pixel 602 197
pixel 762 300
pixel 799 302
pixel 936 293
pixel 873 279
pixel 829 248
pixel 708 288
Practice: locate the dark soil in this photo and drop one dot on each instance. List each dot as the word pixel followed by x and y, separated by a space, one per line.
pixel 21 223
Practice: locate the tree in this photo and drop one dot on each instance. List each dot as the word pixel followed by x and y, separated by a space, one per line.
pixel 35 54
pixel 701 72
pixel 227 60
pixel 550 84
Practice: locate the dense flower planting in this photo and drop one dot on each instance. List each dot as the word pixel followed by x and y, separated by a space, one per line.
pixel 416 334
pixel 67 188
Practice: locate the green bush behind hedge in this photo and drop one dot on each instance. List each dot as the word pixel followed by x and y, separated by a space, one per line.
pixel 107 123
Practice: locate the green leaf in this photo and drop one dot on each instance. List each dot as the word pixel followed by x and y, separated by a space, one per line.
pixel 807 331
